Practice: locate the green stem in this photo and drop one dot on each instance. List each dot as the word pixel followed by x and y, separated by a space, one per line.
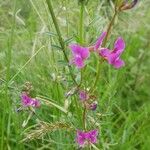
pixel 81 33
pixel 104 44
pixel 84 118
pixel 97 75
pixel 8 75
pixel 81 23
pixel 109 28
pixel 61 41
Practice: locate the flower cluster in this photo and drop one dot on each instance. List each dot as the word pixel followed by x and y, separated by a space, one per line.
pixel 28 101
pixel 85 138
pixel 113 57
pixel 83 95
pixel 87 100
pixel 80 54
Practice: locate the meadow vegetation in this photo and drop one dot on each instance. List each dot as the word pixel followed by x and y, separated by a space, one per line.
pixel 32 59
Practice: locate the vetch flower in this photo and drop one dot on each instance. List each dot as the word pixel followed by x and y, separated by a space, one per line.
pixel 93 106
pixel 83 95
pixel 28 101
pixel 80 54
pixel 35 103
pixel 84 138
pixel 113 57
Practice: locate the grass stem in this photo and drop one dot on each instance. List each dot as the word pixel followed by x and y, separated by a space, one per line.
pixel 61 41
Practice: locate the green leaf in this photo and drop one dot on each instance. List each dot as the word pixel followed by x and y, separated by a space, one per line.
pixel 49 102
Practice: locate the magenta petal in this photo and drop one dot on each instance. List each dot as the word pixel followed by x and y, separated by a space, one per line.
pixel 104 52
pixel 80 138
pixel 35 103
pixel 83 95
pixel 100 40
pixel 79 55
pixel 119 45
pixel 79 50
pixel 76 49
pixel 113 57
pixel 26 100
pixel 85 53
pixel 78 61
pixel 114 60
pixel 92 136
pixel 83 137
pixel 118 63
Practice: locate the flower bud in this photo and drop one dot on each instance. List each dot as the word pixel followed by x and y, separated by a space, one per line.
pixel 83 95
pixel 93 106
pixel 125 5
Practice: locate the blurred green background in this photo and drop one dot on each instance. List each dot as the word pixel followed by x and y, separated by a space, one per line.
pixel 30 52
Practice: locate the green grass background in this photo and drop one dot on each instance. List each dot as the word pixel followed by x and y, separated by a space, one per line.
pixel 30 52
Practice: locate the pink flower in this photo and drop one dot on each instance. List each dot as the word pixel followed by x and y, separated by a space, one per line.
pixel 83 138
pixel 28 101
pixel 83 95
pixel 100 40
pixel 80 54
pixel 113 57
pixel 93 106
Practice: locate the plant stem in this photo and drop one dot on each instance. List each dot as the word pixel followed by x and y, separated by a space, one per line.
pixel 109 28
pixel 81 27
pixel 61 41
pixel 7 105
pixel 104 44
pixel 84 117
pixel 97 75
pixel 81 33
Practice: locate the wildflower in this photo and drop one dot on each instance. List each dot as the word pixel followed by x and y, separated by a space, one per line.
pixel 113 57
pixel 84 138
pixel 93 106
pixel 83 95
pixel 28 101
pixel 80 54
pixel 90 105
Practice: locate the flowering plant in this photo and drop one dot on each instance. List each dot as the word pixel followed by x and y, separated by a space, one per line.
pixel 88 101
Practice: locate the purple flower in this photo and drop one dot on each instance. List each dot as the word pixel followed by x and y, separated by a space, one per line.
pixel 83 95
pixel 93 106
pixel 80 54
pixel 100 40
pixel 83 138
pixel 35 103
pixel 28 101
pixel 113 57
